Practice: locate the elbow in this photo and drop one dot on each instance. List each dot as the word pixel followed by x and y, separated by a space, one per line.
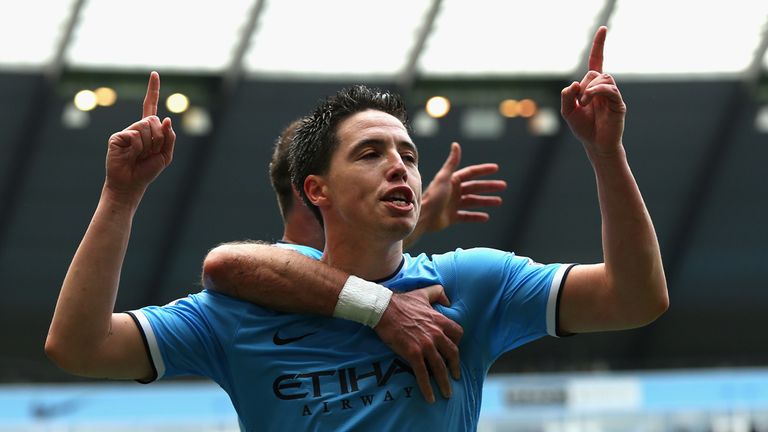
pixel 658 283
pixel 218 264
pixel 643 304
pixel 656 305
pixel 662 300
pixel 53 351
pixel 657 309
pixel 72 359
pixel 64 358
pixel 215 267
pixel 215 262
pixel 647 298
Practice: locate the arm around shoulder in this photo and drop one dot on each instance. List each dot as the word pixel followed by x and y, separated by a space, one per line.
pixel 287 281
pixel 274 277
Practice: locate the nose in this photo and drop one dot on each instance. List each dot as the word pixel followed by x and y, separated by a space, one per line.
pixel 396 170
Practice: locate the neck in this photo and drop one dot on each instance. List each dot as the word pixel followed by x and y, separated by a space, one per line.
pixel 367 257
pixel 301 227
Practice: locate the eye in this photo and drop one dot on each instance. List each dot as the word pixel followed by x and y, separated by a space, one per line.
pixel 370 155
pixel 409 157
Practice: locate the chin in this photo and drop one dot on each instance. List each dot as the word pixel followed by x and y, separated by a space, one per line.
pixel 406 230
pixel 400 231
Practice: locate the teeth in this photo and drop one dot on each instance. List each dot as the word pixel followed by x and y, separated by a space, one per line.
pixel 398 198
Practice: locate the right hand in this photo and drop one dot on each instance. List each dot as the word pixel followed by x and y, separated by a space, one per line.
pixel 453 191
pixel 139 153
pixel 423 336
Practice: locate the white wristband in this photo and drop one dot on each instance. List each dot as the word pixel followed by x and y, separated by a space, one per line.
pixel 362 301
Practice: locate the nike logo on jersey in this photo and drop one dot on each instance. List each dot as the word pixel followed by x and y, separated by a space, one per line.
pixel 277 340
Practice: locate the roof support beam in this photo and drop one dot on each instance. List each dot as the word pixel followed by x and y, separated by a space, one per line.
pixel 53 72
pixel 234 72
pixel 752 74
pixel 602 20
pixel 408 75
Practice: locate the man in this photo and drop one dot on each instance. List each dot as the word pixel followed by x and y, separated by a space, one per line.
pixel 446 201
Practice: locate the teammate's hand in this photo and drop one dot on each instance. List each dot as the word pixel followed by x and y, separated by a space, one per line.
pixel 594 108
pixel 452 193
pixel 425 338
pixel 137 154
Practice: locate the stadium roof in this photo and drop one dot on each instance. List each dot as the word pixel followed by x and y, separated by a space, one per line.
pixel 393 40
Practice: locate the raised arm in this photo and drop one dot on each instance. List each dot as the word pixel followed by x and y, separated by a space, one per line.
pixel 628 289
pixel 287 281
pixel 452 193
pixel 86 337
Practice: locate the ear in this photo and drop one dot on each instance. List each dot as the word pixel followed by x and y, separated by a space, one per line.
pixel 314 187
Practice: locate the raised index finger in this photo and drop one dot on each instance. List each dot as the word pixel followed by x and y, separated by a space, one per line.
pixel 596 55
pixel 153 95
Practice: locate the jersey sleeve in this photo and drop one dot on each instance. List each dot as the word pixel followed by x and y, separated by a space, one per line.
pixel 511 299
pixel 185 338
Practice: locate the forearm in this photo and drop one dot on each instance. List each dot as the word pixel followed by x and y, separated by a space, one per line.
pixel 83 315
pixel 274 277
pixel 633 265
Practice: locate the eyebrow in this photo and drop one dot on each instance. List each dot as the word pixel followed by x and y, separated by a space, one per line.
pixel 378 142
pixel 410 145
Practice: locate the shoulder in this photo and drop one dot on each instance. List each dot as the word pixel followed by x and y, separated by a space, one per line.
pixel 304 250
pixel 483 258
pixel 470 265
pixel 481 266
pixel 206 304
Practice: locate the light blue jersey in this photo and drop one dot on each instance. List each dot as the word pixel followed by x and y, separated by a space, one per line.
pixel 308 373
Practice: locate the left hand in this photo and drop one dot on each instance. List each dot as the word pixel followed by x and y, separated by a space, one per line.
pixel 451 193
pixel 425 338
pixel 594 108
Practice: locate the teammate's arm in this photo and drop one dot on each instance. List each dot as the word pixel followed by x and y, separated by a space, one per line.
pixel 86 337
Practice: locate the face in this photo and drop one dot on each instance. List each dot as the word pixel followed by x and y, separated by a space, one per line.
pixel 373 183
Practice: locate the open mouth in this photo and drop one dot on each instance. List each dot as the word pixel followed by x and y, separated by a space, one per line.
pixel 399 197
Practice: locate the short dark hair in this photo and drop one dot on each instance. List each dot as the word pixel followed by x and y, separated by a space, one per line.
pixel 279 173
pixel 315 140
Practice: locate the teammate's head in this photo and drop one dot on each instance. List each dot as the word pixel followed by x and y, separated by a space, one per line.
pixel 315 139
pixel 278 169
